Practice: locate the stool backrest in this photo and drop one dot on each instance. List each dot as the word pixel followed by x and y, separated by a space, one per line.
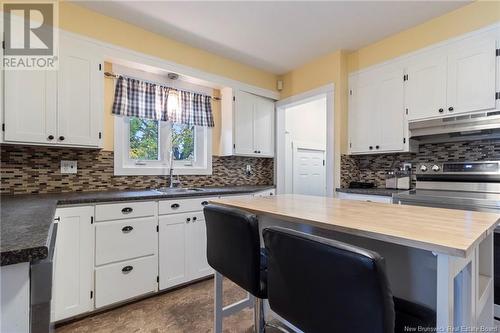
pixel 233 246
pixel 321 285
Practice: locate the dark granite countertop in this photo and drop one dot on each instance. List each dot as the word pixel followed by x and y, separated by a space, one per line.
pixel 387 192
pixel 26 219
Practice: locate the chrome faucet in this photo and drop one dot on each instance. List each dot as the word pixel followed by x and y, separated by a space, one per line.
pixel 173 183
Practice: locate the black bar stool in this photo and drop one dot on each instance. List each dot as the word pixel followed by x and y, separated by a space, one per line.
pixel 233 251
pixel 321 285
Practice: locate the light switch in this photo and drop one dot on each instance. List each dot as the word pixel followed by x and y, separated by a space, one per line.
pixel 68 166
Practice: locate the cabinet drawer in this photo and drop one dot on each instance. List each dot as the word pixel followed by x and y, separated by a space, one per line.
pixel 124 280
pixel 125 239
pixel 124 210
pixel 183 205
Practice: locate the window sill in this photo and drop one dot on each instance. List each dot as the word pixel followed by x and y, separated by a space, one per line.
pixel 152 171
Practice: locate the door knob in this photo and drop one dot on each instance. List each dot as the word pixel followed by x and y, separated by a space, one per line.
pixel 61 138
pixel 371 147
pixel 50 137
pixel 441 110
pixel 450 108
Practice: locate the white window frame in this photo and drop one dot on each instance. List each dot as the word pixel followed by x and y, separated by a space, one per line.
pixel 124 166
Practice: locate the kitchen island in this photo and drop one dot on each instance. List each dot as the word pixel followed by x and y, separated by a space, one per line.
pixel 441 258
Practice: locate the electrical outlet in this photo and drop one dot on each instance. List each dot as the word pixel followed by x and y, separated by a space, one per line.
pixel 406 166
pixel 248 170
pixel 68 166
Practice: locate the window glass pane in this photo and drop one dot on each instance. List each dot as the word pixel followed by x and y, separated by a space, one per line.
pixel 183 142
pixel 143 139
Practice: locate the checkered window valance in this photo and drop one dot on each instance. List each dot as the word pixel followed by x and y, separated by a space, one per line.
pixel 136 98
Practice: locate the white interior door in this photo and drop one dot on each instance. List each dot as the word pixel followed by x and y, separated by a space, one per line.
pixel 309 176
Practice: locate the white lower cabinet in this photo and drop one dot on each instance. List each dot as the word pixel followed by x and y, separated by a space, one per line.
pixel 73 264
pixel 111 253
pixel 126 251
pixel 182 248
pixel 124 280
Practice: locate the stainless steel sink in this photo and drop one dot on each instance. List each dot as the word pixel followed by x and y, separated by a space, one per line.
pixel 178 189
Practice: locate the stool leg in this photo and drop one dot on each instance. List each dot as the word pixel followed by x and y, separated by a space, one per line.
pixel 258 315
pixel 218 303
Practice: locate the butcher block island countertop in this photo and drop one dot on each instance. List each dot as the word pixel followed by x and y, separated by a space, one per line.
pixel 446 231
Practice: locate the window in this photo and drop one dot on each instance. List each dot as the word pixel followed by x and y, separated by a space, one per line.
pixel 144 147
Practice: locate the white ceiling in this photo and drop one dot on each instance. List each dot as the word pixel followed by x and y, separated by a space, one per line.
pixel 276 36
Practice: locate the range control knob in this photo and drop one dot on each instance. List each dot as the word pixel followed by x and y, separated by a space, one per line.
pixel 423 168
pixel 435 168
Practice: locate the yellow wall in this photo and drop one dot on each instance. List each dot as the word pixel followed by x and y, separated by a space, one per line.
pixel 335 66
pixel 85 22
pixel 462 20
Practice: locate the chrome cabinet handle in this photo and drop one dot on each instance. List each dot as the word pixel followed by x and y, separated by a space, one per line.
pixel 127 229
pixel 127 210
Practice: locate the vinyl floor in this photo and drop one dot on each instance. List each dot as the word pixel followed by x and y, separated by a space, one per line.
pixel 185 310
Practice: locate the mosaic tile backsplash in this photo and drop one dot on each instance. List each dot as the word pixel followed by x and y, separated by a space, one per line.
pixel 37 170
pixel 373 168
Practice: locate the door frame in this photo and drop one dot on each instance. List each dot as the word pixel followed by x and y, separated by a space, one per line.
pixel 327 91
pixel 296 145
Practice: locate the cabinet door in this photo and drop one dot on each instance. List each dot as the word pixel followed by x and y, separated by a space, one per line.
pixel 263 128
pixel 80 98
pixel 197 247
pixel 243 131
pixel 73 267
pixel 30 106
pixel 363 120
pixel 471 76
pixel 426 86
pixel 390 111
pixel 172 249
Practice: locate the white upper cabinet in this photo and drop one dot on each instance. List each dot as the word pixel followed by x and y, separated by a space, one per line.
pixel 376 111
pixel 426 86
pixel 80 98
pixel 263 129
pixel 247 124
pixel 454 77
pixel 390 111
pixel 30 106
pixel 63 107
pixel 244 123
pixel 471 76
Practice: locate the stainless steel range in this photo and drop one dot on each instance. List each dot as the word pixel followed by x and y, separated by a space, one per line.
pixel 460 185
